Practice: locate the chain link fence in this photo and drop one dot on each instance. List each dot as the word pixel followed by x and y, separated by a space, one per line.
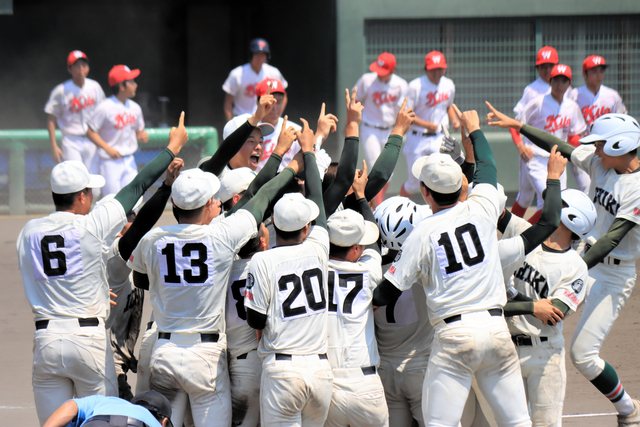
pixel 494 59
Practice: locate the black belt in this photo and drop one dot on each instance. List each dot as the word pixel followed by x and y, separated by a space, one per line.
pixel 203 337
pixel 493 312
pixel 521 340
pixel 242 356
pixel 616 261
pixel 415 132
pixel 376 127
pixel 91 321
pixel 280 356
pixel 369 370
pixel 118 420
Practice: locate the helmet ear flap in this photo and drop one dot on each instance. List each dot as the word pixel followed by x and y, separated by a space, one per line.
pixel 580 214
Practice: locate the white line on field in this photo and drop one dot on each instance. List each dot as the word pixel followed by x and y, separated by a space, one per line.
pixel 601 414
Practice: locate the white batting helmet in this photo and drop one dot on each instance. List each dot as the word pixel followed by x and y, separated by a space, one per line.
pixel 580 215
pixel 396 218
pixel 620 132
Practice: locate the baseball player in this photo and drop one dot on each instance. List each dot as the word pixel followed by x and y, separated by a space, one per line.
pixel 191 261
pixel 611 259
pixel 240 86
pixel 431 97
pixel 273 117
pixel 70 105
pixel 403 331
pixel 61 260
pixel 296 376
pixel 594 100
pixel 459 268
pixel 115 127
pixel 558 115
pixel 381 93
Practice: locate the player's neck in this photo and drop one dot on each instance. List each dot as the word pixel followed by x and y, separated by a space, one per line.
pixel 256 70
pixel 122 97
pixel 557 98
pixel 593 88
pixel 435 208
pixel 624 166
pixel 78 81
pixel 560 240
pixel 288 242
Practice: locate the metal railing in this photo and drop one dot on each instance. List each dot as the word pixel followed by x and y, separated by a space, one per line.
pixel 26 163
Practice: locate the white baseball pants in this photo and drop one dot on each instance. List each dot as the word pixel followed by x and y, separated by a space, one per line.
pixel 357 400
pixel 603 304
pixel 82 149
pixel 144 358
pixel 480 345
pixel 245 377
pixel 415 147
pixel 403 379
pixel 533 181
pixel 373 141
pixel 117 173
pixel 69 361
pixel 185 369
pixel 295 393
pixel 545 379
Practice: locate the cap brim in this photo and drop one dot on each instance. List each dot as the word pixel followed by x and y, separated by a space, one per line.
pixel 133 74
pixel 378 70
pixel 416 169
pixel 96 181
pixel 591 139
pixel 371 234
pixel 435 66
pixel 266 128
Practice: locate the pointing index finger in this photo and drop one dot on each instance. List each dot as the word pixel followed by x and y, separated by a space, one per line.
pixel 493 110
pixel 181 121
pixel 404 104
pixel 458 112
pixel 269 88
pixel 322 110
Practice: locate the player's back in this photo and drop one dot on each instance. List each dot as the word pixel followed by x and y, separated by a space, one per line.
pixel 293 283
pixel 241 338
pixel 62 265
pixel 352 341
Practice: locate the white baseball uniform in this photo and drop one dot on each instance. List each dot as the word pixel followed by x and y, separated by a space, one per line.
pixel 430 103
pixel 241 84
pixel 64 276
pixel 405 336
pixel 73 106
pixel 358 394
pixel 615 196
pixel 245 366
pixel 118 124
pixel 288 284
pixel 562 120
pixel 381 103
pixel 270 142
pixel 189 268
pixel 533 90
pixel 454 254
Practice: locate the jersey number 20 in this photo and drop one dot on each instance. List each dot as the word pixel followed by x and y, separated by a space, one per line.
pixel 311 282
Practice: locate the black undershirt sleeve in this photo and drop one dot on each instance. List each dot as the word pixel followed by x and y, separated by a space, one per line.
pixel 334 194
pixel 256 320
pixel 546 141
pixel 140 280
pixel 386 293
pixel 228 149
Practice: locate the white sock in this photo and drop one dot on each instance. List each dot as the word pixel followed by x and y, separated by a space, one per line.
pixel 625 406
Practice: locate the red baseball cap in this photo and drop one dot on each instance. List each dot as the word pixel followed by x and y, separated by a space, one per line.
pixel 74 56
pixel 561 70
pixel 435 60
pixel 120 73
pixel 385 64
pixel 593 61
pixel 547 55
pixel 276 86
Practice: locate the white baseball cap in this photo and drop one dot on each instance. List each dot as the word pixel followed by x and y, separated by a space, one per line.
pixel 193 188
pixel 237 121
pixel 293 211
pixel 439 172
pixel 348 228
pixel 235 181
pixel 72 176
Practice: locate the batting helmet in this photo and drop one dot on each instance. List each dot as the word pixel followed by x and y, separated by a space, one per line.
pixel 396 218
pixel 580 214
pixel 620 132
pixel 260 45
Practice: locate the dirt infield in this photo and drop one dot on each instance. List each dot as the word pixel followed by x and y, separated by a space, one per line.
pixel 582 404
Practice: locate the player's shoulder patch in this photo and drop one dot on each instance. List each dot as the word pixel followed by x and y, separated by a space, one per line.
pixel 577 285
pixel 250 281
pixel 392 269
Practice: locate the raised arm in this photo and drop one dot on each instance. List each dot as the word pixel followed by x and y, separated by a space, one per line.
pixel 486 171
pixel 313 183
pixel 129 195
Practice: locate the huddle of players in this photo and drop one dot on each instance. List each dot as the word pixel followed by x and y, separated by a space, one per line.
pixel 103 133
pixel 319 354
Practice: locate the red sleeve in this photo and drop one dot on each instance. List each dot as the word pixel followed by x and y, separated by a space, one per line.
pixel 574 140
pixel 517 139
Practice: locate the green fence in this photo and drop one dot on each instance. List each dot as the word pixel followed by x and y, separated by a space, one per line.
pixel 25 163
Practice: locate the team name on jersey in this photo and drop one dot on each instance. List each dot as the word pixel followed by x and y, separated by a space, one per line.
pixel 78 104
pixel 380 98
pixel 593 112
pixel 606 200
pixel 250 91
pixel 434 98
pixel 124 119
pixel 534 278
pixel 554 123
